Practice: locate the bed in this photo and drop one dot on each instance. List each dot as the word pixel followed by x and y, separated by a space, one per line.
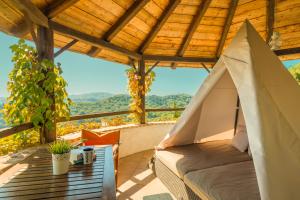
pixel 208 171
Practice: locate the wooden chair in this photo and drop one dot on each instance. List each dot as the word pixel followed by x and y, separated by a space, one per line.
pixel 91 138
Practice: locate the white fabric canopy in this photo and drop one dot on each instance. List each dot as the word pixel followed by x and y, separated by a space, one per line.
pixel 269 97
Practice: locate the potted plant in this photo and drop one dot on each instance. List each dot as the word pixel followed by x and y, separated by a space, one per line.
pixel 60 150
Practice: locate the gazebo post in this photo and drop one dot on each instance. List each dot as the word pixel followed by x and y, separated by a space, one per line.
pixel 45 49
pixel 141 73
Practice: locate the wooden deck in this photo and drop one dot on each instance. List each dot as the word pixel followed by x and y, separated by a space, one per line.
pixel 137 182
pixel 33 179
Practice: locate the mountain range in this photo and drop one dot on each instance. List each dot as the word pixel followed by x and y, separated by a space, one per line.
pixel 107 102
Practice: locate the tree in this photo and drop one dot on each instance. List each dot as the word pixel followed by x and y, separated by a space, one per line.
pixel 29 87
pixel 295 71
pixel 134 89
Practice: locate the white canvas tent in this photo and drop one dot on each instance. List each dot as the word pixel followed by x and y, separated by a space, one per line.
pixel 270 100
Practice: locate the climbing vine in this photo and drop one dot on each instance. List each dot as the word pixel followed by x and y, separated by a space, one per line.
pixel 30 83
pixel 134 89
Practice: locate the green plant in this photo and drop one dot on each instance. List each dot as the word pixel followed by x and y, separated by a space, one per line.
pixel 134 90
pixel 30 83
pixel 19 141
pixel 60 147
pixel 295 71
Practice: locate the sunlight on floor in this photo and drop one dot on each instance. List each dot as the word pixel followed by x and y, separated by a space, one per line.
pixel 136 180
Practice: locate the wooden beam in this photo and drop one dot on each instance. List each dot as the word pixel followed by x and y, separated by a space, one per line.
pixel 193 27
pixel 66 47
pixel 58 6
pixel 270 19
pixel 141 93
pixel 92 40
pixel 33 36
pixel 160 22
pixel 164 109
pixel 93 51
pixel 131 63
pixel 126 17
pixel 151 68
pixel 45 50
pixel 282 52
pixel 178 59
pixel 94 115
pixel 121 23
pixel 205 68
pixel 31 11
pixel 228 22
pixel 4 132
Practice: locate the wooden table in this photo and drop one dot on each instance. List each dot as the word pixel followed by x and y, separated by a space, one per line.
pixel 34 179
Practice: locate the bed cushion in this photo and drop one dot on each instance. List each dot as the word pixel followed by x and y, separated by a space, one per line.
pixel 236 181
pixel 184 159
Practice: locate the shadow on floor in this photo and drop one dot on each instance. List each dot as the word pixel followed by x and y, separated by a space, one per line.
pixel 163 196
pixel 136 181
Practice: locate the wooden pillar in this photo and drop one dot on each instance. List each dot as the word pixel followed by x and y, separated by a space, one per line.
pixel 141 73
pixel 45 49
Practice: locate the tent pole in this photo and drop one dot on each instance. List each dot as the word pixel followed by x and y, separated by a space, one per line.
pixel 236 113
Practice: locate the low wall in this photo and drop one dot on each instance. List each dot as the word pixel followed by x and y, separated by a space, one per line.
pixel 135 138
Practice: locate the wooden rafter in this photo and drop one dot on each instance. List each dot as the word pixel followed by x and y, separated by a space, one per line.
pixel 282 52
pixel 121 23
pixel 93 51
pixel 160 22
pixel 270 19
pixel 203 65
pixel 66 47
pixel 152 67
pixel 58 6
pixel 191 30
pixel 132 64
pixel 193 27
pixel 178 59
pixel 31 12
pixel 228 22
pixel 92 40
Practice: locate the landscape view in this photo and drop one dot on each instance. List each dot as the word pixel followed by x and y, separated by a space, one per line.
pixel 98 102
pixel 106 102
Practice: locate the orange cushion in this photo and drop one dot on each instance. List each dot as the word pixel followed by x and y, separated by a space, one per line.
pixel 100 138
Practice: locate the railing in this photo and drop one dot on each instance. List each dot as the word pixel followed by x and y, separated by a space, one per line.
pixel 23 127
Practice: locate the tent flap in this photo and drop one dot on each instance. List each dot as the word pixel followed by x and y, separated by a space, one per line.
pixel 269 98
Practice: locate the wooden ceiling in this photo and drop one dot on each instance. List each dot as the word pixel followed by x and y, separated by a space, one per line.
pixel 184 33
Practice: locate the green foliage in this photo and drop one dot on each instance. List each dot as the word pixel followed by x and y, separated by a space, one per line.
pixel 135 89
pixel 60 147
pixel 19 141
pixel 32 86
pixel 295 71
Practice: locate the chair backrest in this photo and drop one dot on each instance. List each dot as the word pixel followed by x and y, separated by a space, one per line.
pixel 104 138
pixel 100 138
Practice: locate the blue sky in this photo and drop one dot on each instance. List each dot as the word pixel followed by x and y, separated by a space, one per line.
pixel 85 74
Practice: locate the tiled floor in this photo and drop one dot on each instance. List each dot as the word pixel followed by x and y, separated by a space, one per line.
pixel 137 182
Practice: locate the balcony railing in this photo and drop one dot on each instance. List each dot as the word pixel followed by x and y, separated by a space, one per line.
pixel 26 126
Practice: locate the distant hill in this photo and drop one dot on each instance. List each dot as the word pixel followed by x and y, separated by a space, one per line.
pixel 90 97
pixel 106 102
pixel 122 101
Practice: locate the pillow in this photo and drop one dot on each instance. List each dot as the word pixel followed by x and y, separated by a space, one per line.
pixel 240 139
